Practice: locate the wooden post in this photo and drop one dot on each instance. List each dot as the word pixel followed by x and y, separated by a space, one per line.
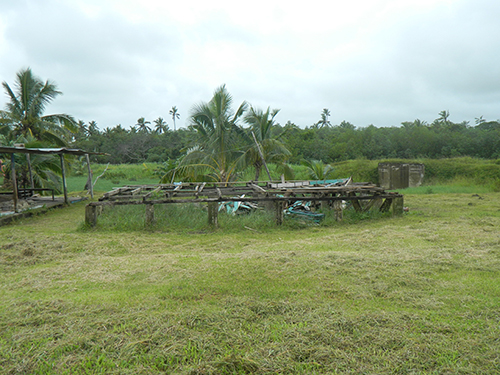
pixel 150 214
pixel 28 158
pixel 339 212
pixel 213 214
pixel 91 213
pixel 324 205
pixel 65 188
pixel 397 206
pixel 14 180
pixel 278 207
pixel 89 180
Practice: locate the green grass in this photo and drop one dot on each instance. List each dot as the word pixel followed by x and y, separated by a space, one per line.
pixel 415 294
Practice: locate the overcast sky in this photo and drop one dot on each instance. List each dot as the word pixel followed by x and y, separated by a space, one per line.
pixel 377 62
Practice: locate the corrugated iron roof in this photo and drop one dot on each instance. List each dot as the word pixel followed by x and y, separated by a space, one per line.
pixel 61 150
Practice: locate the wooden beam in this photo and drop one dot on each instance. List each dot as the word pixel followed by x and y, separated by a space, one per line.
pixel 14 180
pixel 213 214
pixel 278 213
pixel 89 179
pixel 91 213
pixel 339 212
pixel 397 206
pixel 65 188
pixel 150 214
pixel 30 171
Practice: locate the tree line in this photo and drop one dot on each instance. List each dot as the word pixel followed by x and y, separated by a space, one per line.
pixel 441 138
pixel 221 140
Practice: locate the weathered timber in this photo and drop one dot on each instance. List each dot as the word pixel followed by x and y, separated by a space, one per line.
pixel 386 205
pixel 91 213
pixel 136 191
pixel 213 214
pixel 278 212
pixel 363 196
pixel 397 206
pixel 151 193
pixel 150 214
pixel 339 212
pixel 375 202
pixel 240 199
pixel 14 181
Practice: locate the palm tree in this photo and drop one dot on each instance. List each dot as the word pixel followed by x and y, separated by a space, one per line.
pixel 443 117
pixel 324 119
pixel 218 132
pixel 23 114
pixel 93 129
pixel 160 125
pixel 142 125
pixel 273 151
pixel 175 114
pixel 317 170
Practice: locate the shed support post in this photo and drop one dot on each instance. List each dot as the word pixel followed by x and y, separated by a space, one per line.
pixel 150 214
pixel 28 159
pixel 397 206
pixel 213 214
pixel 65 188
pixel 339 212
pixel 14 180
pixel 278 207
pixel 91 213
pixel 89 180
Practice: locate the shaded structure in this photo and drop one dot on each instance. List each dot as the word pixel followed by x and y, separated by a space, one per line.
pixel 274 196
pixel 17 193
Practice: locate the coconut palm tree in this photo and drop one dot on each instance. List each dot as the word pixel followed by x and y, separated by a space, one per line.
pixel 324 122
pixel 93 129
pixel 23 113
pixel 317 170
pixel 175 115
pixel 161 125
pixel 273 151
pixel 218 133
pixel 142 125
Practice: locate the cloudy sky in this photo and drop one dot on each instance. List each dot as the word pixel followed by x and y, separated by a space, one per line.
pixel 377 62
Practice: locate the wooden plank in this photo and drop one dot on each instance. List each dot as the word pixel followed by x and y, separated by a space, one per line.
pixel 258 189
pixel 158 188
pixel 136 191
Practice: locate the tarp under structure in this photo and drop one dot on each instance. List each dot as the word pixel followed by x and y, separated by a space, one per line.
pixel 54 151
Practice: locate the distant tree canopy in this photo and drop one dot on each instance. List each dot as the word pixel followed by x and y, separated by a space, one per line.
pixel 413 139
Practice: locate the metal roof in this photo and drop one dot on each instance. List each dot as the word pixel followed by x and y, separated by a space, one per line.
pixel 62 150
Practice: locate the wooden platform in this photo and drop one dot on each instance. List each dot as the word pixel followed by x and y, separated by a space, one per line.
pixel 276 196
pixel 37 206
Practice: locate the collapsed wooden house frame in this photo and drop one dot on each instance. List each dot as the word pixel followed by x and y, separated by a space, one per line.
pixel 274 196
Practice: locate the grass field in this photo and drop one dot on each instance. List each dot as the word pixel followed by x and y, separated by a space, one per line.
pixel 419 294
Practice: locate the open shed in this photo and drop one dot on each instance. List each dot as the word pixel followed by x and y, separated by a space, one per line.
pixel 54 151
